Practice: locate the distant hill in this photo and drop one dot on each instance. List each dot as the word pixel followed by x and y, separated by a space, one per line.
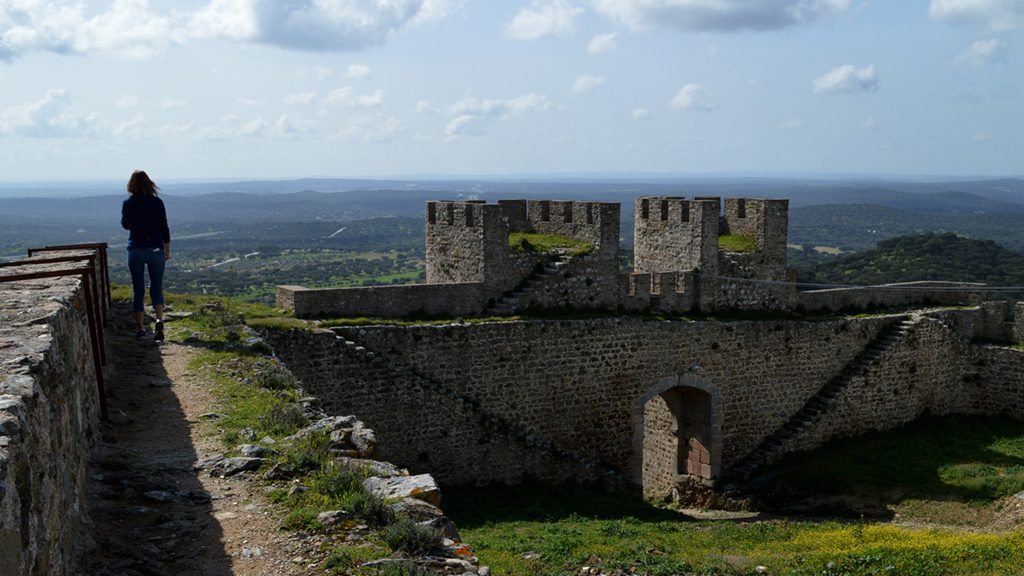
pixel 856 227
pixel 931 256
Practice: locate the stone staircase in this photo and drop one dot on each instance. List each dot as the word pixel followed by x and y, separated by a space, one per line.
pixel 812 410
pixel 518 299
pixel 491 422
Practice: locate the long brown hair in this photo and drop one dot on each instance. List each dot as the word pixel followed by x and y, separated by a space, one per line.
pixel 140 183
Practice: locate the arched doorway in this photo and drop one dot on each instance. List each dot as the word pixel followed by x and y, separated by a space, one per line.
pixel 677 435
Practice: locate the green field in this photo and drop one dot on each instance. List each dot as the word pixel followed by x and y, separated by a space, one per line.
pixel 942 493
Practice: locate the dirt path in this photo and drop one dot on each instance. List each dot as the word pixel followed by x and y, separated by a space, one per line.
pixel 152 514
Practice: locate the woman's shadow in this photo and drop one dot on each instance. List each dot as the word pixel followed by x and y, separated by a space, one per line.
pixel 149 513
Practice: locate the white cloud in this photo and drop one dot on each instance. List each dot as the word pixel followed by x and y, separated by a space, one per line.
pixel 994 14
pixel 544 18
pixel 981 137
pixel 718 15
pixel 424 107
pixel 979 53
pixel 303 98
pixel 169 103
pixel 794 124
pixel 692 97
pixel 847 79
pixel 229 129
pixel 171 129
pixel 133 128
pixel 586 83
pixel 869 123
pixel 602 43
pixel 357 71
pixel 127 28
pixel 127 101
pixel 640 113
pixel 314 24
pixel 346 96
pixel 246 102
pixel 252 128
pixel 54 116
pixel 131 28
pixel 471 117
pixel 365 129
pixel 291 126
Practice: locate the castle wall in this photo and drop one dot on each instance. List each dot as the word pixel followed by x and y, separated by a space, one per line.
pixel 1018 322
pixel 436 431
pixel 922 374
pixel 889 296
pixel 995 376
pixel 593 222
pixel 464 239
pixel 767 221
pixel 748 282
pixel 49 410
pixel 450 300
pixel 590 386
pixel 675 233
pixel 579 383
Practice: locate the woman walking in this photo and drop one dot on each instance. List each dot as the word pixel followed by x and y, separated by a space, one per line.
pixel 149 246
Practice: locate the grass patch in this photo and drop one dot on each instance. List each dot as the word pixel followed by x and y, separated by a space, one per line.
pixel 411 538
pixel 232 379
pixel 737 243
pixel 972 459
pixel 529 242
pixel 555 530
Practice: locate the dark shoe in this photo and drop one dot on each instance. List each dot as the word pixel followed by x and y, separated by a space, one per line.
pixel 159 336
pixel 140 335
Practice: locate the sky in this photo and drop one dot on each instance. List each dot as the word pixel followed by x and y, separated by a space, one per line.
pixel 198 89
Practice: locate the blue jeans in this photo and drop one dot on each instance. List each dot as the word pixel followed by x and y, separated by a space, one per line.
pixel 138 260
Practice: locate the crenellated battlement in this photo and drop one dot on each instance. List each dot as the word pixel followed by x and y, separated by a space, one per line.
pixel 683 262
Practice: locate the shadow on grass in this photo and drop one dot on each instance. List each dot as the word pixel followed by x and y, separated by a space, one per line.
pixel 472 506
pixel 973 460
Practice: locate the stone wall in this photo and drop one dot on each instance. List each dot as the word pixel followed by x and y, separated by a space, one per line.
pixel 580 385
pixel 890 296
pixel 48 420
pixel 1018 322
pixel 419 426
pixel 591 387
pixel 921 375
pixel 994 377
pixel 450 300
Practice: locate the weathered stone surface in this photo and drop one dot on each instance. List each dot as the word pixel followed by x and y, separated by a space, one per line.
pixel 372 467
pixel 348 435
pixel 422 487
pixel 332 517
pixel 48 405
pixel 255 451
pixel 418 510
pixel 445 526
pixel 219 465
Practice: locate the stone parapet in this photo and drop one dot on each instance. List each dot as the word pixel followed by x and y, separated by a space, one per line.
pixel 49 414
pixel 459 299
pixel 890 296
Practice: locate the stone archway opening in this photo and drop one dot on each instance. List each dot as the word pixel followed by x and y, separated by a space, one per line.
pixel 677 440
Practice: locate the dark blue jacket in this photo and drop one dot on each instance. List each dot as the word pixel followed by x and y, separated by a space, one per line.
pixel 146 218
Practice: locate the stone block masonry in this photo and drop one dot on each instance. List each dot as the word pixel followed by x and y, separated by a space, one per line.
pixel 49 412
pixel 619 392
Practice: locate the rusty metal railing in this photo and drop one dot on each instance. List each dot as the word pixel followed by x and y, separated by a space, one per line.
pixel 95 310
pixel 99 247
